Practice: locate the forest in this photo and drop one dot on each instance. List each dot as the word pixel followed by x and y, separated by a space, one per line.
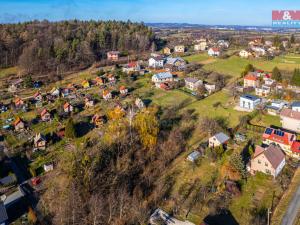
pixel 56 47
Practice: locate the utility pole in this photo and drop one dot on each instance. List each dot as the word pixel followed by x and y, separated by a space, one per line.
pixel 269 213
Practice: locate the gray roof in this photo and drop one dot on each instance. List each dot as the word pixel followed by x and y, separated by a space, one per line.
pixel 194 155
pixel 172 61
pixel 221 137
pixel 8 180
pixel 163 75
pixel 191 80
pixel 17 195
pixel 3 213
pixel 274 155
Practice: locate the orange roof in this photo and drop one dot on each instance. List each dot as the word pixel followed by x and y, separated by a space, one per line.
pixel 44 112
pixel 17 121
pixel 122 88
pixel 110 75
pixel 99 80
pixel 106 92
pixel 66 105
pixel 18 100
pixel 250 77
pixel 215 49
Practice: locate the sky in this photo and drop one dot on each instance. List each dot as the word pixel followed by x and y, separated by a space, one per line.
pixel 209 12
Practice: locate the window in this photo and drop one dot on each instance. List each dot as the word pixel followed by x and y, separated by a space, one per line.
pixel 258 161
pixel 268 171
pixel 266 164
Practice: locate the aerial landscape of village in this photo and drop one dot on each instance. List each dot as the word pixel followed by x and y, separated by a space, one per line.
pixel 121 113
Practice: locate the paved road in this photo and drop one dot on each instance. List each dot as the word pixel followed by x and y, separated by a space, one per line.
pixel 293 210
pixel 167 218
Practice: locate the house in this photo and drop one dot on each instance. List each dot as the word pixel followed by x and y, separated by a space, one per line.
pixel 245 54
pixel 177 63
pixel 269 43
pixel 132 67
pixel 19 103
pixel 259 51
pixel 264 90
pixel 65 92
pixel 163 77
pixel 249 102
pixel 165 86
pixel 201 46
pixel 98 120
pixel 166 51
pixel 223 44
pixel 156 62
pixel 192 83
pixel 38 96
pixel 45 115
pixel 55 92
pixel 8 180
pixel 296 106
pixel 19 124
pixel 88 102
pixel 295 150
pixel 139 103
pixel 9 200
pixel 210 88
pixel 290 120
pixel 251 80
pixel 68 108
pixel 218 140
pixel 214 52
pixel 48 167
pixel 123 90
pixel 275 107
pixel 113 55
pixel 99 81
pixel 85 84
pixel 193 156
pixel 270 160
pixel 269 82
pixel 111 79
pixel 278 137
pixel 39 142
pixel 106 94
pixel 179 49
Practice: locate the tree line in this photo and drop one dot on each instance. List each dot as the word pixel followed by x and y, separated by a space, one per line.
pixel 42 46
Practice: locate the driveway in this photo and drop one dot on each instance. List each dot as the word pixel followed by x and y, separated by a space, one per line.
pixel 293 210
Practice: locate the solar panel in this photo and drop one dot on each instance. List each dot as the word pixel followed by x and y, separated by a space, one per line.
pixel 268 131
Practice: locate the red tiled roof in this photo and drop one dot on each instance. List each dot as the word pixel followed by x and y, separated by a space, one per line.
pixel 122 88
pixel 296 147
pixel 286 139
pixel 44 112
pixel 66 105
pixel 17 121
pixel 250 77
pixel 132 64
pixel 215 49
pixel 36 94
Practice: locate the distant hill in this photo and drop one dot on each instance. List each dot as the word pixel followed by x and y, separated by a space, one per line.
pixel 219 27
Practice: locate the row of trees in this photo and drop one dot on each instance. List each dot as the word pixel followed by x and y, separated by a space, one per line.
pixel 39 47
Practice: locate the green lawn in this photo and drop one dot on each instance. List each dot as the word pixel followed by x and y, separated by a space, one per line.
pixel 256 193
pixel 197 58
pixel 8 71
pixel 266 120
pixel 234 65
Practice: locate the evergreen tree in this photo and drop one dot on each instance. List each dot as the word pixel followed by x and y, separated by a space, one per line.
pixel 70 130
pixel 296 77
pixel 292 40
pixel 237 163
pixel 276 74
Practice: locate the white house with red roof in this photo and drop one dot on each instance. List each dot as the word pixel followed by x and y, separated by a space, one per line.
pixel 281 138
pixel 132 67
pixel 214 52
pixel 251 80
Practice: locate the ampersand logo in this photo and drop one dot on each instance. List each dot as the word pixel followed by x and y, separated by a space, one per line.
pixel 286 15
